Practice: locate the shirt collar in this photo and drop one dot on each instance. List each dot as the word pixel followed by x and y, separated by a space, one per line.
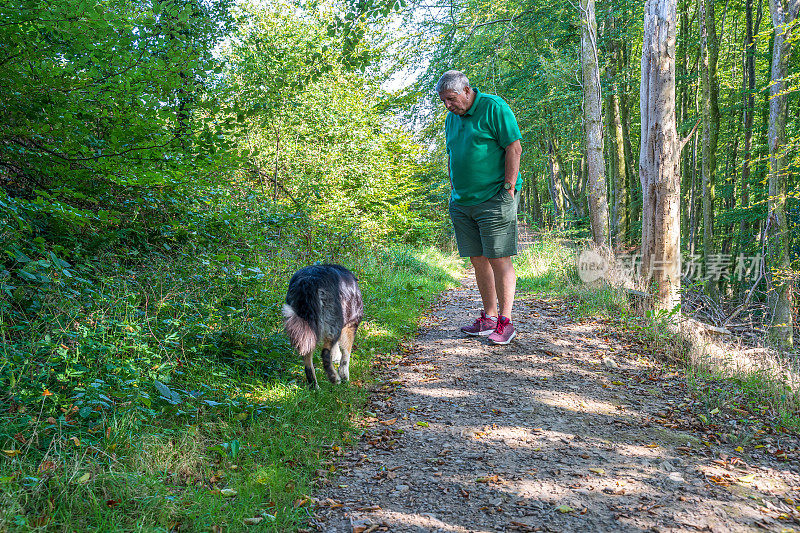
pixel 475 103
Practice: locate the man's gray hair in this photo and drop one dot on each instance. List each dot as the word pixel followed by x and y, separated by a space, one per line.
pixel 452 80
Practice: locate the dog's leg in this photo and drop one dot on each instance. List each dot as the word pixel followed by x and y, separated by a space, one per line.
pixel 336 353
pixel 327 364
pixel 311 377
pixel 346 343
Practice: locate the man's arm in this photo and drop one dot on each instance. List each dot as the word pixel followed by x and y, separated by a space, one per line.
pixel 513 154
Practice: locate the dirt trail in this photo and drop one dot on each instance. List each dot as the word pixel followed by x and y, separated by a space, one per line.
pixel 569 428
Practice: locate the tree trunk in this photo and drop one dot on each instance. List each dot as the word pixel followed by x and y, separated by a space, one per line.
pixel 593 124
pixel 611 170
pixel 570 194
pixel 693 200
pixel 554 183
pixel 710 94
pixel 584 178
pixel 631 168
pixel 682 112
pixel 617 149
pixel 749 89
pixel 535 203
pixel 634 196
pixel 783 14
pixel 659 157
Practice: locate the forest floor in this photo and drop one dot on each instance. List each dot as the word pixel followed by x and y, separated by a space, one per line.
pixel 574 426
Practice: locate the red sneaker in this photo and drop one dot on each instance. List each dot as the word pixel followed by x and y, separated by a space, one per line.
pixel 482 326
pixel 504 331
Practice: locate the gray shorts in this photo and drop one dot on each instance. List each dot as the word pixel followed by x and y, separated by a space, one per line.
pixel 487 229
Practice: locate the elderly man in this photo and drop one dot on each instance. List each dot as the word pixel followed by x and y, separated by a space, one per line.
pixel 483 148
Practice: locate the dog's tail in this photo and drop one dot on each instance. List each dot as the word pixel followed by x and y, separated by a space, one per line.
pixel 302 334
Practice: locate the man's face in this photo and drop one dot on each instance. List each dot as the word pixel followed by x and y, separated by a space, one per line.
pixel 457 102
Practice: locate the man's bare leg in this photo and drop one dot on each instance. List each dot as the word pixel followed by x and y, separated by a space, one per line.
pixel 487 283
pixel 505 281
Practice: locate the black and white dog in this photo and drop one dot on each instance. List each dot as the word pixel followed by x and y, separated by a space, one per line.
pixel 323 304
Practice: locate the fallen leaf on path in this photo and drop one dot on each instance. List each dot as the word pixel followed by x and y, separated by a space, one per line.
pixel 748 478
pixel 723 480
pixel 564 509
pixel 362 526
pixel 597 470
pixel 330 503
pixel 488 479
pixel 521 526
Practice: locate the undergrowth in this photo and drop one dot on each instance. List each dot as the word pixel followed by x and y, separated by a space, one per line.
pixel 547 269
pixel 146 385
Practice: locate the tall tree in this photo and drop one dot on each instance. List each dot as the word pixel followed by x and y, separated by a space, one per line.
pixel 554 181
pixel 709 43
pixel 593 124
pixel 617 164
pixel 659 156
pixel 749 107
pixel 784 13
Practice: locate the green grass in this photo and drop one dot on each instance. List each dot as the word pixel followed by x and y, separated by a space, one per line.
pixel 547 267
pixel 170 400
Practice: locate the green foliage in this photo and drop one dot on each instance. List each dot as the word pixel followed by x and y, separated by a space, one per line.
pixel 110 93
pixel 316 135
pixel 154 203
pixel 163 366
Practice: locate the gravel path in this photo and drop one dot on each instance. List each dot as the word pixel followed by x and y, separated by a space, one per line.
pixel 570 428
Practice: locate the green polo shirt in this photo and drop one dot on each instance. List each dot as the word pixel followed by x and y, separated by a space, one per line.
pixel 476 143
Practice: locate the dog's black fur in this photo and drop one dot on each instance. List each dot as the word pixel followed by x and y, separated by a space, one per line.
pixel 323 304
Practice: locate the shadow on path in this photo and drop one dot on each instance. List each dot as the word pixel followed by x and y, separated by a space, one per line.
pixel 541 435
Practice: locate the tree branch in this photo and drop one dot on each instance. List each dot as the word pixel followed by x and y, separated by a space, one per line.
pixel 496 21
pixel 686 139
pixel 278 184
pixel 64 157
